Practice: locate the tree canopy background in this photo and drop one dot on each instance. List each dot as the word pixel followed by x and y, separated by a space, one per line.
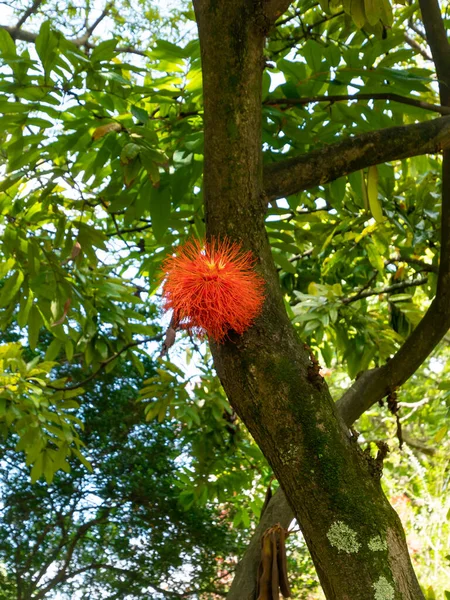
pixel 101 162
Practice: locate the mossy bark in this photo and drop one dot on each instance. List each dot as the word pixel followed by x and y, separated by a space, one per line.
pixel 267 373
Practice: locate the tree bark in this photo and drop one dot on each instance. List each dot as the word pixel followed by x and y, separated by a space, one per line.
pixel 354 536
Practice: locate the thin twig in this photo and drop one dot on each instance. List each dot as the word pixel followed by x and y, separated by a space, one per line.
pixel 387 290
pixel 417 46
pixel 30 11
pixel 287 19
pixel 120 232
pixel 443 110
pixel 417 31
pixel 104 363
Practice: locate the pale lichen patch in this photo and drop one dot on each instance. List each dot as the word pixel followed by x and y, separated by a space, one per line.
pixel 383 589
pixel 291 454
pixel 342 537
pixel 377 543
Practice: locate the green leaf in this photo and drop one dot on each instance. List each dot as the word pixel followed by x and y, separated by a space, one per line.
pixel 430 593
pixel 11 287
pixel 131 171
pixel 53 350
pixel 160 209
pixel 237 518
pixel 129 153
pixel 34 326
pixel 245 518
pixel 357 13
pixel 82 459
pixel 38 468
pixel 312 52
pixel 284 263
pixel 372 10
pixel 375 258
pixel 386 12
pixel 441 434
pixel 337 189
pixel 46 43
pixel 168 52
pixel 48 467
pixel 186 499
pixel 7 45
pixel 104 51
pixel 139 113
pixel 400 297
pixel 372 193
pixel 6 266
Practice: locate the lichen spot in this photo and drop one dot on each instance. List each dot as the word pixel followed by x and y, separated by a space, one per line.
pixel 383 589
pixel 343 538
pixel 377 544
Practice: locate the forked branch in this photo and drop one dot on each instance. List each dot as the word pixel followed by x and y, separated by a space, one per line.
pixel 273 9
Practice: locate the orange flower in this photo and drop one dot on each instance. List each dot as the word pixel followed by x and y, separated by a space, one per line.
pixel 212 288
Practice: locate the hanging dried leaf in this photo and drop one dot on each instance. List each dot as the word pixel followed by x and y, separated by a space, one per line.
pixel 61 320
pixel 272 573
pixel 265 568
pixel 275 575
pixel 285 588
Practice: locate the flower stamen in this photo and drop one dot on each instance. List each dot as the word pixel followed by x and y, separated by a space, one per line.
pixel 212 288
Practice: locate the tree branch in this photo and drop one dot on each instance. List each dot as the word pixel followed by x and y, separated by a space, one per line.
pixel 273 9
pixel 18 34
pixel 307 32
pixel 318 167
pixel 416 29
pixel 30 11
pixel 62 573
pixel 297 13
pixel 131 230
pixel 90 30
pixel 278 509
pixel 439 45
pixel 443 110
pixel 412 42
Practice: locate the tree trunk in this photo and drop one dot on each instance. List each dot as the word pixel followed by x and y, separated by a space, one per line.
pixel 354 536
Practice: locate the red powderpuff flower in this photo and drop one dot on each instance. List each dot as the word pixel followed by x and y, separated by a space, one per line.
pixel 212 288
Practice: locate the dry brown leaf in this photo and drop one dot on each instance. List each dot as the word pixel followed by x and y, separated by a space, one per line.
pixel 105 129
pixel 61 320
pixel 265 580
